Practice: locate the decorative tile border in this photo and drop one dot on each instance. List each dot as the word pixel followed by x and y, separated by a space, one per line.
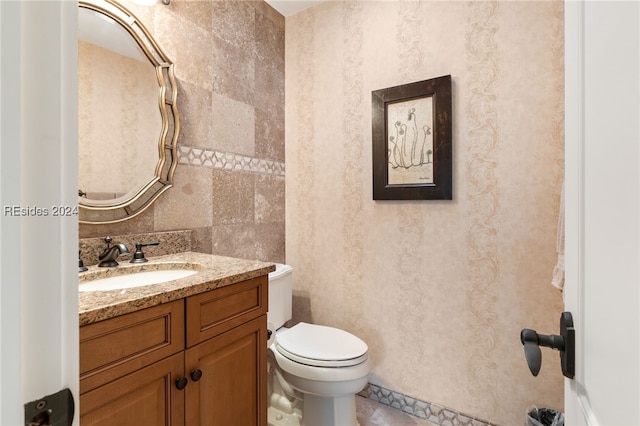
pixel 228 161
pixel 422 409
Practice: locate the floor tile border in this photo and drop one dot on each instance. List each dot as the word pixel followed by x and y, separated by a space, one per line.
pixel 422 409
pixel 228 161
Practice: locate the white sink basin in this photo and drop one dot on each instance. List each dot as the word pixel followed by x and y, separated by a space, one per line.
pixel 136 279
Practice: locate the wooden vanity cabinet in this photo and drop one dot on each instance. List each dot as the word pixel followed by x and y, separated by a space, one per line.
pixel 214 341
pixel 227 349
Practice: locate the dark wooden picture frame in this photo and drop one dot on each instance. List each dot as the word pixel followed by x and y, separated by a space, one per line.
pixel 412 147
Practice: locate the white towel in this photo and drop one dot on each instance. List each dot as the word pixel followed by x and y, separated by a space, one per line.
pixel 558 271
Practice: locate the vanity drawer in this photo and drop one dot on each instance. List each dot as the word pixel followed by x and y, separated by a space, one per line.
pixel 212 313
pixel 112 348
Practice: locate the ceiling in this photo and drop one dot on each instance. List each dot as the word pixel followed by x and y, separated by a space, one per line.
pixel 291 7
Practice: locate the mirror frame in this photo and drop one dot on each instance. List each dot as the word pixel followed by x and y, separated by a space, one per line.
pixel 106 211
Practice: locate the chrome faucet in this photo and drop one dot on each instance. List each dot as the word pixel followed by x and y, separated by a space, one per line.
pixel 110 254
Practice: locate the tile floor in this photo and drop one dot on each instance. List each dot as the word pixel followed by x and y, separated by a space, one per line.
pixel 371 413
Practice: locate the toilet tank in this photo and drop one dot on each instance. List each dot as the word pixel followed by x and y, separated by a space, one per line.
pixel 280 296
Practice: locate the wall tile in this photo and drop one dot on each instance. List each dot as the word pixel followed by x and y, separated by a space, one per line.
pixel 201 240
pixel 233 129
pixel 225 140
pixel 186 205
pixel 233 74
pixel 269 43
pixel 270 242
pixel 269 199
pixel 233 198
pixel 435 414
pixel 269 133
pixel 271 14
pixel 187 44
pixel 235 241
pixel 195 107
pixel 234 22
pixel 199 12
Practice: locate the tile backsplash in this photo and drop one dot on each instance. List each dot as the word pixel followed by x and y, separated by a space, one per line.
pixel 170 242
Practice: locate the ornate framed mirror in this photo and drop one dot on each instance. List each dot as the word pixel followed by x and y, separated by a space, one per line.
pixel 129 122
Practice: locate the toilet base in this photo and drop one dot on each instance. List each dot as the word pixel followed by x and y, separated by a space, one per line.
pixel 319 411
pixel 276 417
pixel 323 411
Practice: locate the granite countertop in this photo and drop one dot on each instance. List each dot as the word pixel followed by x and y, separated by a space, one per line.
pixel 214 272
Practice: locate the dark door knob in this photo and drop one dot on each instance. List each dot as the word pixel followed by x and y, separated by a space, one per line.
pixel 196 375
pixel 565 343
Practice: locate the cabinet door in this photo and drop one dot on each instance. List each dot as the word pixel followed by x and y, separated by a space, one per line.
pixel 214 312
pixel 232 390
pixel 146 397
pixel 118 346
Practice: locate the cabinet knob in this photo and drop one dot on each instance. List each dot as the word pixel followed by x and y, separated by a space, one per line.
pixel 181 383
pixel 196 375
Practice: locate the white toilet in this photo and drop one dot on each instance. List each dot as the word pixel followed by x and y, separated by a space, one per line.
pixel 314 371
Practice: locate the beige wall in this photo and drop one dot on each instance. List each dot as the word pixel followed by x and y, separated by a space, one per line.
pixel 124 90
pixel 229 184
pixel 438 289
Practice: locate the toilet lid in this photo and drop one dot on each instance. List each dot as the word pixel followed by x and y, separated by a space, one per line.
pixel 321 346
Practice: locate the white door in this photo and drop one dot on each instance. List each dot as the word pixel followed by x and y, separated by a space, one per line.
pixel 38 173
pixel 602 178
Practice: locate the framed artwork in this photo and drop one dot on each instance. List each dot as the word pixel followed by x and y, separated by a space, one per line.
pixel 412 155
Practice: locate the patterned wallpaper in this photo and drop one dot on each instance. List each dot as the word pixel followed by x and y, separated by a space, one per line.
pixel 439 290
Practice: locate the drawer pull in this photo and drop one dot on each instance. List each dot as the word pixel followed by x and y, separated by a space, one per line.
pixel 196 375
pixel 181 383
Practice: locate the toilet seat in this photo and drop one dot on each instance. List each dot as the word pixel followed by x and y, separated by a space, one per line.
pixel 321 346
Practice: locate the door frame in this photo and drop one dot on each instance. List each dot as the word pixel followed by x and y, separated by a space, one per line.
pixel 576 403
pixel 38 159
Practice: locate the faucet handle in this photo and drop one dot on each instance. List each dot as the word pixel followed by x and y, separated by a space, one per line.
pixel 109 255
pixel 138 256
pixel 81 267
